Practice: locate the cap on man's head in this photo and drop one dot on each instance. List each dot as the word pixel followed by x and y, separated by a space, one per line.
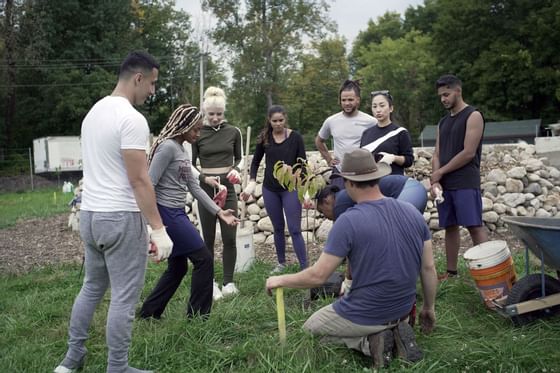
pixel 359 165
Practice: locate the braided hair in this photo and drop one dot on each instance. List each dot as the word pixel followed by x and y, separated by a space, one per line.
pixel 181 121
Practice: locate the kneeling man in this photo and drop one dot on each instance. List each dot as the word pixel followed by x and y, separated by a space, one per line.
pixel 388 246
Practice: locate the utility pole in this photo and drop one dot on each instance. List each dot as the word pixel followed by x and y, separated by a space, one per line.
pixel 203 29
pixel 10 41
pixel 201 78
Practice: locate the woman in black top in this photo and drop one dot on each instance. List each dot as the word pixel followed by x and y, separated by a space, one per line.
pixel 279 143
pixel 387 141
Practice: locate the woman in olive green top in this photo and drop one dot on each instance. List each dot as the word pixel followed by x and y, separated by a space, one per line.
pixel 219 150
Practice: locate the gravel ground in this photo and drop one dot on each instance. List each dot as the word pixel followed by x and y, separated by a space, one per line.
pixel 36 243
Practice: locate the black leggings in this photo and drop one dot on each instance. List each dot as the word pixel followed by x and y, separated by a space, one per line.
pixel 208 221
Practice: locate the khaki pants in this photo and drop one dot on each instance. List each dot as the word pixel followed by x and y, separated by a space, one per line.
pixel 336 329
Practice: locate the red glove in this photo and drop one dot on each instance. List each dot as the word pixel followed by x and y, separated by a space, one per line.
pixel 221 196
pixel 234 177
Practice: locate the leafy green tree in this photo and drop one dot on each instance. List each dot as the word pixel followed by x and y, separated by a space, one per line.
pixel 68 53
pixel 263 39
pixel 422 17
pixel 506 53
pixel 312 90
pixel 404 66
pixel 388 25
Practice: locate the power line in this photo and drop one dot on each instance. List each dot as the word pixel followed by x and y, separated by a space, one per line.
pixel 54 85
pixel 41 85
pixel 79 63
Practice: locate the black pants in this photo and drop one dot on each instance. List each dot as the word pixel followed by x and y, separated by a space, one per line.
pixel 200 301
pixel 208 221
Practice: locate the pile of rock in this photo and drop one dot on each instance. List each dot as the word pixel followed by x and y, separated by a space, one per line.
pixel 515 181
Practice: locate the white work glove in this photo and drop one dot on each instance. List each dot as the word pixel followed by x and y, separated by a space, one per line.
pixel 162 243
pixel 234 177
pixel 439 195
pixel 250 188
pixel 345 287
pixel 307 202
pixel 387 158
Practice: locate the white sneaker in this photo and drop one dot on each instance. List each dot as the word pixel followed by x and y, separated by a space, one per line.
pixel 229 289
pixel 63 369
pixel 216 293
pixel 280 267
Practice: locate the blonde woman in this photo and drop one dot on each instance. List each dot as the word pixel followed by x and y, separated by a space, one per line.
pixel 219 151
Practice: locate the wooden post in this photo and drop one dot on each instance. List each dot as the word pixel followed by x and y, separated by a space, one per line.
pixel 281 315
pixel 245 178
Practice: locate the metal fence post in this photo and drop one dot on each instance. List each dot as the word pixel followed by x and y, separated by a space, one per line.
pixel 30 167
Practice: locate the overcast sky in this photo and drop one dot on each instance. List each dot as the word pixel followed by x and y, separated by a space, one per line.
pixel 352 16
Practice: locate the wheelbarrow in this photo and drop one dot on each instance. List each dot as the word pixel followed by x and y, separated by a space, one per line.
pixel 535 295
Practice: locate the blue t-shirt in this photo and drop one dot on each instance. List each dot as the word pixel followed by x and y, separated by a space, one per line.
pixel 384 241
pixel 390 186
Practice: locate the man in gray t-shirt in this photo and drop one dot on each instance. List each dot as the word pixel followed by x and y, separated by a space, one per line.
pixel 345 127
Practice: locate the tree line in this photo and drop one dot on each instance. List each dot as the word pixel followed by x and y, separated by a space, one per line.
pixel 58 57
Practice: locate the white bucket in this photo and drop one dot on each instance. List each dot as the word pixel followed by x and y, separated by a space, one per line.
pixel 491 267
pixel 487 254
pixel 245 249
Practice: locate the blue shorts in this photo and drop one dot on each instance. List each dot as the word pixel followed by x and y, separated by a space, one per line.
pixel 460 207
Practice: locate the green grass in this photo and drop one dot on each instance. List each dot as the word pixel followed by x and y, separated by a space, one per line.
pixel 241 334
pixel 37 204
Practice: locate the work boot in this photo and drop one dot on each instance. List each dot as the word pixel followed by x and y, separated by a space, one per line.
pixel 405 342
pixel 381 348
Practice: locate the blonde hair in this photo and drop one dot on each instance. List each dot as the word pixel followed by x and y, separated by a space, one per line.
pixel 214 97
pixel 183 119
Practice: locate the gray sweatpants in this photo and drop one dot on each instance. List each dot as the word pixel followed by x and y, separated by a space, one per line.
pixel 116 251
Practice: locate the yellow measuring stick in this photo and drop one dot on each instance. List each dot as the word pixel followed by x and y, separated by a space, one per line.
pixel 281 314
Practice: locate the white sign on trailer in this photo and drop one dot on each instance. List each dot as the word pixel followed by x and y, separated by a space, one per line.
pixel 61 153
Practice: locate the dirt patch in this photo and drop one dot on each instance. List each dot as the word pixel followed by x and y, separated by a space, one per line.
pixel 36 243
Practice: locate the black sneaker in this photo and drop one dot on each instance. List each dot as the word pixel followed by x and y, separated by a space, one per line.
pixel 405 342
pixel 381 348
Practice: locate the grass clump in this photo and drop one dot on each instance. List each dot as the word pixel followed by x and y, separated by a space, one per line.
pixel 241 334
pixel 32 204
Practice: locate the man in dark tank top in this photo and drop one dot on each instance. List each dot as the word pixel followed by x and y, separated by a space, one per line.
pixel 456 170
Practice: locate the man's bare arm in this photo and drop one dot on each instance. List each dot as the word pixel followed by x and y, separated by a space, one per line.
pixel 435 156
pixel 313 276
pixel 136 166
pixel 428 278
pixel 322 148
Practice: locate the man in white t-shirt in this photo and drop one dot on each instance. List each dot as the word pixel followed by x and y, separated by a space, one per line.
pixel 345 127
pixel 117 199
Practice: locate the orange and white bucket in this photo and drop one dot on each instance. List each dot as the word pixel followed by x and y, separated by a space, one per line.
pixel 491 267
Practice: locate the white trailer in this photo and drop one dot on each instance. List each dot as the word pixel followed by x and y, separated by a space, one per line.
pixel 57 154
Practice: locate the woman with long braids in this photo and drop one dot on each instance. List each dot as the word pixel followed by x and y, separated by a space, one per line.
pixel 279 143
pixel 389 142
pixel 171 174
pixel 219 150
